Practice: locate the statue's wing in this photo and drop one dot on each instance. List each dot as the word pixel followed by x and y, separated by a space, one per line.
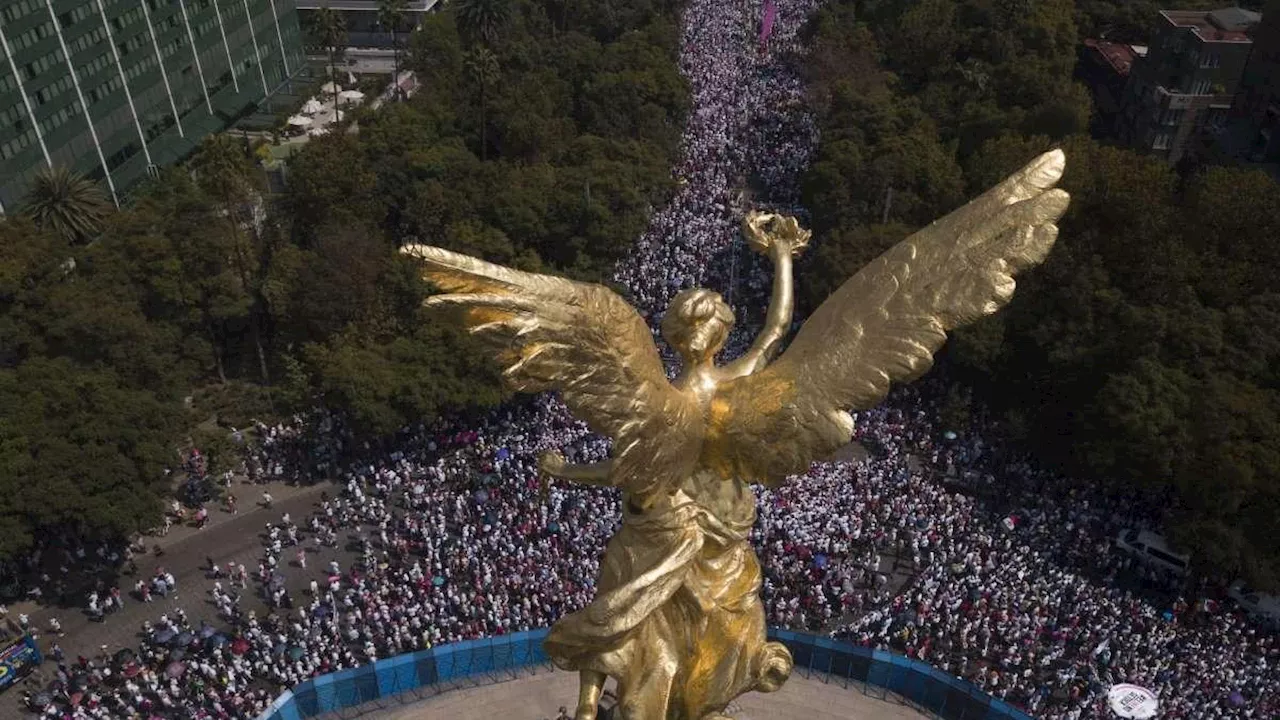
pixel 884 325
pixel 585 341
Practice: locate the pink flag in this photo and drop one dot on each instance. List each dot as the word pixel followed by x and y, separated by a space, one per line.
pixel 766 23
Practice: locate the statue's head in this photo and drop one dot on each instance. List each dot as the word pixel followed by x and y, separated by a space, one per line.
pixel 697 324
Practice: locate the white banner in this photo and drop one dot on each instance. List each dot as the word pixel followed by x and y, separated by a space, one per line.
pixel 1131 701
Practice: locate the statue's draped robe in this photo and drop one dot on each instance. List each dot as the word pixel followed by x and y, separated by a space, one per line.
pixel 681 583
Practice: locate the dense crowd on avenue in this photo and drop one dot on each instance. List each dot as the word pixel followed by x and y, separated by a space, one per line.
pixel 456 536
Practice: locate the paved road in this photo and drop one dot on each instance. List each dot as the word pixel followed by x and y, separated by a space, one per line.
pixel 186 549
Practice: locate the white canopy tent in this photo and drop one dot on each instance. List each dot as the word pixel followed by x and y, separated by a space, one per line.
pixel 312 106
pixel 300 121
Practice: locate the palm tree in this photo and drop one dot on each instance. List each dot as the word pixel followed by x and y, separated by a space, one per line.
pixel 482 65
pixel 482 19
pixel 391 17
pixel 330 29
pixel 67 203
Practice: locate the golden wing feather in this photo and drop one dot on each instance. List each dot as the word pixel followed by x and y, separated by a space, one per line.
pixel 585 341
pixel 883 326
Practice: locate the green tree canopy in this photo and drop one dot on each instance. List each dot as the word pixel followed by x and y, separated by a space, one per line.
pixel 1145 352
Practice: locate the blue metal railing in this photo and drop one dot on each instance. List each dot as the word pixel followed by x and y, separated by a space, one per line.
pixel 875 673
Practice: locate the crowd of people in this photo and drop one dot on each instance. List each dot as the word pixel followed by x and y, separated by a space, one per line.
pixel 1047 615
pixel 455 536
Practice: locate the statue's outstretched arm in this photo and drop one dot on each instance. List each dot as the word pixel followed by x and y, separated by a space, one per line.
pixel 554 465
pixel 781 238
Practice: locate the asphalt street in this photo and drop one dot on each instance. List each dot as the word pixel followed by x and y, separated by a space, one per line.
pixel 235 538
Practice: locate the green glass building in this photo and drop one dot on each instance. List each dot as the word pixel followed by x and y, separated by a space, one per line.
pixel 117 88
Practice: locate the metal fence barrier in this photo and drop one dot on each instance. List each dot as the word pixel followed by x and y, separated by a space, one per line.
pixel 889 676
pixel 883 675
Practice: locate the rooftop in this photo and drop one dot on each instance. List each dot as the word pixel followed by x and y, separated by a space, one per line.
pixel 1224 25
pixel 1119 56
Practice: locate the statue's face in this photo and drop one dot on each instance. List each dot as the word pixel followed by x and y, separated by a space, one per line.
pixel 697 324
pixel 699 340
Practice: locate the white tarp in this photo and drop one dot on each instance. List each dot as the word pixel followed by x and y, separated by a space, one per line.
pixel 1132 701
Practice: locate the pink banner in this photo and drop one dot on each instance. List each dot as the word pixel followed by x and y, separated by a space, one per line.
pixel 766 23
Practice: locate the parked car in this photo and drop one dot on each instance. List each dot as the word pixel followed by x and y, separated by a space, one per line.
pixel 1152 549
pixel 1254 602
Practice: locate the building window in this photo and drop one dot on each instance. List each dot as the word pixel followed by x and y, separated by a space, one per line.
pixel 1161 141
pixel 1210 60
pixel 1200 87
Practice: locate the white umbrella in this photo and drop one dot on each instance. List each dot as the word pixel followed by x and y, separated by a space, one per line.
pixel 329 88
pixel 354 96
pixel 299 121
pixel 1132 701
pixel 312 107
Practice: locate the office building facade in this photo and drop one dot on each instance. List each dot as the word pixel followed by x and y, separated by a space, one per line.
pixel 361 19
pixel 117 88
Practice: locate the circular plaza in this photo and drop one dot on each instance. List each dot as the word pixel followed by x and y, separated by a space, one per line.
pixel 540 697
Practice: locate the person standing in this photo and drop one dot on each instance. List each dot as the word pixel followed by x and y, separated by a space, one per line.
pixel 302 558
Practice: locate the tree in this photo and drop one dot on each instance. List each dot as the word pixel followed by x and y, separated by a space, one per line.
pixel 330 29
pixel 482 67
pixel 482 20
pixel 210 284
pixel 67 203
pixel 227 175
pixel 330 182
pixel 391 17
pixel 925 39
pixel 81 452
pixel 88 411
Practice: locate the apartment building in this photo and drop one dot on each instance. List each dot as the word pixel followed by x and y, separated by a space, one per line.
pixel 1186 81
pixel 1253 134
pixel 117 88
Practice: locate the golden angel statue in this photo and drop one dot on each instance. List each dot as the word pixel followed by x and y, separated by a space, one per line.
pixel 677 619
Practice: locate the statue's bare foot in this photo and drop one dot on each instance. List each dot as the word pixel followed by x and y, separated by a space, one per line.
pixel 775 666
